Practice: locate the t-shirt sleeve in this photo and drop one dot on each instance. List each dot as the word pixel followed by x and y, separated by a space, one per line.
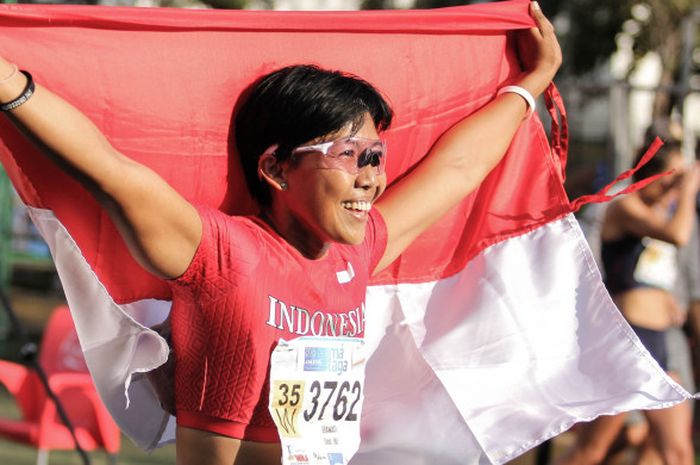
pixel 375 238
pixel 227 244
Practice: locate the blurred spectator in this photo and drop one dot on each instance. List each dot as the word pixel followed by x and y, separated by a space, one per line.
pixel 640 234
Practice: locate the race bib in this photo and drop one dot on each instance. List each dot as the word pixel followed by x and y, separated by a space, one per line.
pixel 316 394
pixel 657 265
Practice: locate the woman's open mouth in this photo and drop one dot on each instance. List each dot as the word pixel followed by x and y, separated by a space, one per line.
pixel 358 208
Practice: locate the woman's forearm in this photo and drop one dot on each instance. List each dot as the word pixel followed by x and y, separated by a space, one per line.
pixel 681 223
pixel 475 145
pixel 60 128
pixel 161 229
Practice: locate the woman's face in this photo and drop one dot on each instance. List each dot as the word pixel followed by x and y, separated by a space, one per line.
pixel 332 204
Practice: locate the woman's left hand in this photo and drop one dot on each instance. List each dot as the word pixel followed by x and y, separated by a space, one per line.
pixel 676 314
pixel 162 379
pixel 539 52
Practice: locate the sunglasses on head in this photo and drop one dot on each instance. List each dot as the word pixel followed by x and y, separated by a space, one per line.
pixel 349 154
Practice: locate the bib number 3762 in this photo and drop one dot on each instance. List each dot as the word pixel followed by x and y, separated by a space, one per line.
pixel 316 393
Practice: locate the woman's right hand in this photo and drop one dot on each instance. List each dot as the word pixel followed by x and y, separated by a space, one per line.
pixel 162 379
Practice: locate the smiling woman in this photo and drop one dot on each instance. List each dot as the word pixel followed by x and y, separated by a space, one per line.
pixel 243 287
pixel 309 144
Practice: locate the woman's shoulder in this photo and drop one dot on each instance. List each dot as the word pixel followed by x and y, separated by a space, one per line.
pixel 617 216
pixel 210 213
pixel 230 231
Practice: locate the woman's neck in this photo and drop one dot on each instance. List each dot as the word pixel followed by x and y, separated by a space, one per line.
pixel 295 233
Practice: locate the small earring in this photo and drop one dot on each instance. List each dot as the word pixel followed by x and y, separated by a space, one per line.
pixel 283 185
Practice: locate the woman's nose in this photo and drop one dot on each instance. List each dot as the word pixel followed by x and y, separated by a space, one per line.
pixel 366 176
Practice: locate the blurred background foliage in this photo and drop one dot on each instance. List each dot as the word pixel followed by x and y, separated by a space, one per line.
pixel 592 30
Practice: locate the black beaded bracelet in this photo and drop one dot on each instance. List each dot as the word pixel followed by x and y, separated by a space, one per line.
pixel 24 96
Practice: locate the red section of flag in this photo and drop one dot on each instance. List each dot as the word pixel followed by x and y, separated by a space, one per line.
pixel 162 83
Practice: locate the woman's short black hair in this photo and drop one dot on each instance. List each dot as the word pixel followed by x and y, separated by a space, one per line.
pixel 659 162
pixel 297 104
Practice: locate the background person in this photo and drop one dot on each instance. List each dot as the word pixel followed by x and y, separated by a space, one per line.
pixel 639 236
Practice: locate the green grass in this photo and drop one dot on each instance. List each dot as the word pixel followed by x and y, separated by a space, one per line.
pixel 17 454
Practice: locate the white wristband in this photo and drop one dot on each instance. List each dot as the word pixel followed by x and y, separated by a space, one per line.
pixel 521 92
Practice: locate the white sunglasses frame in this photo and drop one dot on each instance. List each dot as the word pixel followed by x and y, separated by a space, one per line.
pixel 324 147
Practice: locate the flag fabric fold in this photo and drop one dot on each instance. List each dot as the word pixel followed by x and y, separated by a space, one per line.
pixel 495 323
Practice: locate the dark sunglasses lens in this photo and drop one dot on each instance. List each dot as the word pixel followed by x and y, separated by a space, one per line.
pixel 370 157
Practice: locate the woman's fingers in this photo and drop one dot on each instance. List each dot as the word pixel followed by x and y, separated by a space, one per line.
pixel 544 33
pixel 539 52
pixel 543 24
pixel 690 179
pixel 538 46
pixel 696 176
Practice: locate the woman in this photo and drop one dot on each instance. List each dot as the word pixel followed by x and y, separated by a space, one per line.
pixel 639 235
pixel 310 147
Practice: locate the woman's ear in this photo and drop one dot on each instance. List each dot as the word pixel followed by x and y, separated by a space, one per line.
pixel 270 170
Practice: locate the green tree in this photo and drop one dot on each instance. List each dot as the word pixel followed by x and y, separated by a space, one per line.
pixel 219 4
pixel 591 28
pixel 652 25
pixel 663 33
pixel 389 4
pixel 226 4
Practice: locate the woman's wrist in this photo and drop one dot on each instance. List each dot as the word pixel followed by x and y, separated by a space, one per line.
pixel 535 82
pixel 523 93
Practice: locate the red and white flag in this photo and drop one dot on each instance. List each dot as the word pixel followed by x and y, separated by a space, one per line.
pixel 492 333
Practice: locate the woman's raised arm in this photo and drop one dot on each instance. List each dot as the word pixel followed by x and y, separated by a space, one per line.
pixel 161 229
pixel 467 152
pixel 632 215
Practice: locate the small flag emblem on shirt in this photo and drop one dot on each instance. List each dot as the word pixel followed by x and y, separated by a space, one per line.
pixel 346 276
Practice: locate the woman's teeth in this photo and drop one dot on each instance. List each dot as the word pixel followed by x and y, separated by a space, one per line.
pixel 362 205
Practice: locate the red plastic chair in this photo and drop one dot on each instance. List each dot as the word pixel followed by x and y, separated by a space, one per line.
pixel 41 427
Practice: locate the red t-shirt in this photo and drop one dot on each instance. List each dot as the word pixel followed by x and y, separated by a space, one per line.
pixel 245 289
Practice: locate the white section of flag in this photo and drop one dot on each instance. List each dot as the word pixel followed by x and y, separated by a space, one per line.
pixel 116 346
pixel 472 369
pixel 522 343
